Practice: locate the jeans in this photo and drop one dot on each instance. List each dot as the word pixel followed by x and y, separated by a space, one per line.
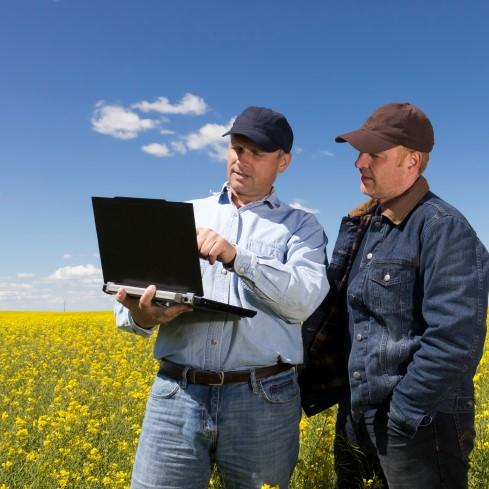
pixel 437 457
pixel 250 429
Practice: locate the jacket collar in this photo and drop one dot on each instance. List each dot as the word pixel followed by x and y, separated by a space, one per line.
pixel 397 209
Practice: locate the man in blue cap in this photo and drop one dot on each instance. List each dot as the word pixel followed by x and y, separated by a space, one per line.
pixel 227 388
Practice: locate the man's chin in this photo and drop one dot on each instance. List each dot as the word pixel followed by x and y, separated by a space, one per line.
pixel 236 187
pixel 365 190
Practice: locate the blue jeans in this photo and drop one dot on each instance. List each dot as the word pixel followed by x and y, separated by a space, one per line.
pixel 437 457
pixel 251 430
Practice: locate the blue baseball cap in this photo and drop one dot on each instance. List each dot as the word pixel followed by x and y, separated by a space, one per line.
pixel 270 130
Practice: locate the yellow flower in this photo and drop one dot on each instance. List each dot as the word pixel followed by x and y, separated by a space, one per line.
pixel 72 396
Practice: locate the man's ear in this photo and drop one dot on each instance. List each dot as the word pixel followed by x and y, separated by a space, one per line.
pixel 285 160
pixel 415 160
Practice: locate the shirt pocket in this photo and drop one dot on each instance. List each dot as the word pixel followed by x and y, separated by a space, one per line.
pixel 204 266
pixel 266 250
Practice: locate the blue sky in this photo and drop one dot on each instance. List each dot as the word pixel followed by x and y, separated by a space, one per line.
pixel 129 98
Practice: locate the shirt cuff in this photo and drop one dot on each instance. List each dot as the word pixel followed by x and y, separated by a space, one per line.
pixel 125 322
pixel 230 266
pixel 139 329
pixel 243 263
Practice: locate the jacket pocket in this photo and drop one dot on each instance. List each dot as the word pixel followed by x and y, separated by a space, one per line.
pixel 390 288
pixel 394 353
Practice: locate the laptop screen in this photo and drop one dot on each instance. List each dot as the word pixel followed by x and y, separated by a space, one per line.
pixel 148 241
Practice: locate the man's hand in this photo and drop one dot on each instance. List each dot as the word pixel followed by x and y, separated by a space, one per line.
pixel 213 247
pixel 145 313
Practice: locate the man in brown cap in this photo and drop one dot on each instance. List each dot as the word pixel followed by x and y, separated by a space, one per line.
pixel 409 284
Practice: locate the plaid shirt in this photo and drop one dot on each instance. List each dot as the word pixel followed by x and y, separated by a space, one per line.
pixel 324 377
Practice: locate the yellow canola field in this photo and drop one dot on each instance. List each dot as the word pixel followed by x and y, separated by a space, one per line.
pixel 72 397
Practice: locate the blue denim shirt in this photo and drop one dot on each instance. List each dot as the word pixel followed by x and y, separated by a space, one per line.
pixel 419 304
pixel 279 270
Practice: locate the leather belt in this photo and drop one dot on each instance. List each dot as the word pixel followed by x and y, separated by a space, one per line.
pixel 211 377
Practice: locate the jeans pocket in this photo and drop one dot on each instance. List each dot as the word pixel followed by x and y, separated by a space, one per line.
pixel 280 388
pixel 464 424
pixel 164 387
pixel 397 432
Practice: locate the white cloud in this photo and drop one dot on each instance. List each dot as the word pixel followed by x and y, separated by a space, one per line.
pixel 25 275
pixel 166 132
pixel 298 150
pixel 68 288
pixel 156 149
pixel 325 152
pixel 76 272
pixel 210 137
pixel 7 287
pixel 13 293
pixel 189 104
pixel 298 205
pixel 119 122
pixel 179 147
pixel 163 151
pixel 67 256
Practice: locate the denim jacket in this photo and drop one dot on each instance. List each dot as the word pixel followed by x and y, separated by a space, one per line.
pixel 419 305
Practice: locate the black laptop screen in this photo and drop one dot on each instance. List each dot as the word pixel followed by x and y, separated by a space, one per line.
pixel 148 241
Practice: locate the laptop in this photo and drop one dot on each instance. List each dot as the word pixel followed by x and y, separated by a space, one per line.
pixel 153 241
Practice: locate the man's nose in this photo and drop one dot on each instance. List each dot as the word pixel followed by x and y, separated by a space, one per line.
pixel 363 161
pixel 244 157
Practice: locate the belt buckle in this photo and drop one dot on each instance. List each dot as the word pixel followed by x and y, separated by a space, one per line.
pixel 221 378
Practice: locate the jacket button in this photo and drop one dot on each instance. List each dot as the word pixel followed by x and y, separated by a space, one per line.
pixel 359 337
pixel 369 256
pixel 357 375
pixel 241 270
pixel 387 277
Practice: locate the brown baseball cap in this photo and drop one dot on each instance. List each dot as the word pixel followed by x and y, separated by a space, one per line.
pixel 396 124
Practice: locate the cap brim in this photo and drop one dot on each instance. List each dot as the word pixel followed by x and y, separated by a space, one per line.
pixel 365 141
pixel 261 140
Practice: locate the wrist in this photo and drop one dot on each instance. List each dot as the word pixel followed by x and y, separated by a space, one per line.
pixel 229 265
pixel 140 323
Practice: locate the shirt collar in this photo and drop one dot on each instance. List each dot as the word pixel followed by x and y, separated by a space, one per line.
pixel 397 209
pixel 271 199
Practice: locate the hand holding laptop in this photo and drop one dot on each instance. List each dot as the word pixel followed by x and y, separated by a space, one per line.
pixel 145 312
